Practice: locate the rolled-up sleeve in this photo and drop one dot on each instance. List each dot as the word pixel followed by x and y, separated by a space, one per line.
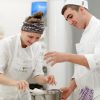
pixel 91 78
pixel 94 58
pixel 38 60
pixel 39 66
pixel 3 57
pixel 91 60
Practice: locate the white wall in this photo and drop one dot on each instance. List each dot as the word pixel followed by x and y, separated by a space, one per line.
pixel 12 14
pixel 59 39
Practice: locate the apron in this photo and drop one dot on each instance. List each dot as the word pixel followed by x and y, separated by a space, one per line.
pixel 88 78
pixel 79 70
pixel 19 69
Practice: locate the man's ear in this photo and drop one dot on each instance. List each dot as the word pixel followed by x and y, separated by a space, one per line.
pixel 81 9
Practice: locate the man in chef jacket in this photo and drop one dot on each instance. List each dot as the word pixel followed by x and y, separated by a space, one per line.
pixel 21 57
pixel 87 59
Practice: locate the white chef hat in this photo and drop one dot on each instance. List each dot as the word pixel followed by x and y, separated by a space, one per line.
pixel 82 3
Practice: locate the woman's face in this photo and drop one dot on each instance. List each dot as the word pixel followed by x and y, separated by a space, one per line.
pixel 28 38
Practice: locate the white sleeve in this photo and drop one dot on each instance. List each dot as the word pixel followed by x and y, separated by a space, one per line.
pixel 3 56
pixel 38 60
pixel 88 80
pixel 91 78
pixel 91 60
pixel 94 59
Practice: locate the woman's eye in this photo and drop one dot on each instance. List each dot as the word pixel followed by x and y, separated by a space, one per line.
pixel 37 38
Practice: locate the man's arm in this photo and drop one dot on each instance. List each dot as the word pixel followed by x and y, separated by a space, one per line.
pixel 67 91
pixel 57 57
pixel 77 59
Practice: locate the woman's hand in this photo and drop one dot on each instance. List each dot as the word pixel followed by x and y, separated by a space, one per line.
pixel 22 85
pixel 50 79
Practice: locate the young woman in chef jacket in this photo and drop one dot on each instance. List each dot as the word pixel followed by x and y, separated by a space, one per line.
pixel 21 57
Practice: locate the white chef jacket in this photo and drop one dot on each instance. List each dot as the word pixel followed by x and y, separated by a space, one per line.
pixel 89 46
pixel 19 63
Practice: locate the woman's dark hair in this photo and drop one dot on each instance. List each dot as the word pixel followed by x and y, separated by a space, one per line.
pixel 36 18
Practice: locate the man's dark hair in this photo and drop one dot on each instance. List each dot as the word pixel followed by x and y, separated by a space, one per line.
pixel 73 7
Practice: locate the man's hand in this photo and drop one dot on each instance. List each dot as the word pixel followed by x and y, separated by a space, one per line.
pixel 66 91
pixel 54 57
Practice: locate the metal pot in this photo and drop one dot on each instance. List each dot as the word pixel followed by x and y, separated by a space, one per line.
pixel 53 94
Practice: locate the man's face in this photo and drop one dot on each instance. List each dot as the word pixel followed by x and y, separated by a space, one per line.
pixel 75 18
pixel 28 38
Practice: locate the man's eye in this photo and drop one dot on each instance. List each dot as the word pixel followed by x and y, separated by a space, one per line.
pixel 31 37
pixel 70 16
pixel 66 19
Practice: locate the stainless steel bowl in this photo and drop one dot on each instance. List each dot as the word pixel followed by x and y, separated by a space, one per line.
pixel 53 94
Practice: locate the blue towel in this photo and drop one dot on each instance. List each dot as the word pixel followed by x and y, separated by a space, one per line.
pixel 86 94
